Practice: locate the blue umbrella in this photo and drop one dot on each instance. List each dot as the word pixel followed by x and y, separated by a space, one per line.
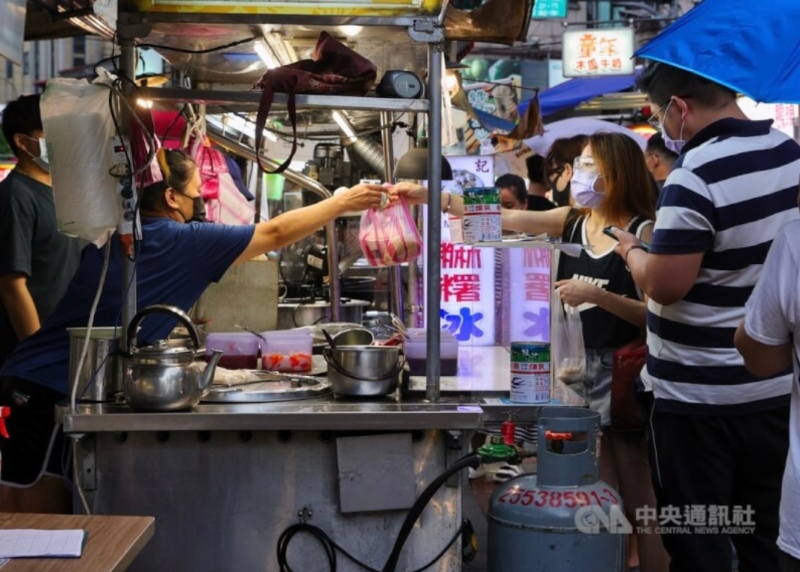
pixel 751 47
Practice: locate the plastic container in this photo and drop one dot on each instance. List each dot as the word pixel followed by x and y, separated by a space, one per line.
pixel 239 349
pixel 416 350
pixel 287 351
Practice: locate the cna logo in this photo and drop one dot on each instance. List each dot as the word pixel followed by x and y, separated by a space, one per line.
pixel 592 519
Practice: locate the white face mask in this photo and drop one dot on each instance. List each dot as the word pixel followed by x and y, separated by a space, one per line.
pixel 42 161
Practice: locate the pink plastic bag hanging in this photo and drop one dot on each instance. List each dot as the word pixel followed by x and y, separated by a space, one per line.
pixel 389 236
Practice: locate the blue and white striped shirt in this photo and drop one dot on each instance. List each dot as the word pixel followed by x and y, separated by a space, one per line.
pixel 732 190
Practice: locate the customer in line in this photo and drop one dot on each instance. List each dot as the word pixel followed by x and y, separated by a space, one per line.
pixel 513 194
pixel 537 188
pixel 719 434
pixel 769 341
pixel 176 261
pixel 610 186
pixel 36 261
pixel 558 165
pixel 659 158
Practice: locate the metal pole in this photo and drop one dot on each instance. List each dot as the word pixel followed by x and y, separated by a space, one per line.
pixel 395 272
pixel 434 235
pixel 127 69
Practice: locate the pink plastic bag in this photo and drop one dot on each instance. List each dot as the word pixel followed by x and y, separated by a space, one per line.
pixel 389 236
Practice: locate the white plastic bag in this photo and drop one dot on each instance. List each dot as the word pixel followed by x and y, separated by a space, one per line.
pixel 78 129
pixel 569 354
pixel 389 236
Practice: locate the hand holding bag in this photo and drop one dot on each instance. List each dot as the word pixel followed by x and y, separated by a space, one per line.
pixel 334 70
pixel 628 363
pixel 389 236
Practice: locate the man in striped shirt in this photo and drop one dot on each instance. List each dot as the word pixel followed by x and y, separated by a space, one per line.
pixel 719 435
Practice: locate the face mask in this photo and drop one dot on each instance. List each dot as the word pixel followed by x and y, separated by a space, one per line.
pixel 582 189
pixel 674 145
pixel 42 160
pixel 198 210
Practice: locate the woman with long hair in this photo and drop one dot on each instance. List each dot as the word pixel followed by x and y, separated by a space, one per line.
pixel 610 186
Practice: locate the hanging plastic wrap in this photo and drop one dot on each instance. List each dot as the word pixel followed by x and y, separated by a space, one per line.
pixel 78 129
pixel 389 236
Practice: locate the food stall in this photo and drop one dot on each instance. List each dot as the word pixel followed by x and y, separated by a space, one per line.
pixel 248 478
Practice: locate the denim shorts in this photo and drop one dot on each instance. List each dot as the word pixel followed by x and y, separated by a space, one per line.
pixel 595 388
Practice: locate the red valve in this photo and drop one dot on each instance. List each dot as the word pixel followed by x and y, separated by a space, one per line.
pixel 556 436
pixel 508 430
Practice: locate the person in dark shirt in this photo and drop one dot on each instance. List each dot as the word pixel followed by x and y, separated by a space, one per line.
pixel 537 189
pixel 36 261
pixel 659 159
pixel 513 195
pixel 176 260
pixel 558 164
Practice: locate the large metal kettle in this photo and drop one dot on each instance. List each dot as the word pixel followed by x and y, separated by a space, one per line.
pixel 164 377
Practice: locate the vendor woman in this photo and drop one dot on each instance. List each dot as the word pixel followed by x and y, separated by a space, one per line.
pixel 176 261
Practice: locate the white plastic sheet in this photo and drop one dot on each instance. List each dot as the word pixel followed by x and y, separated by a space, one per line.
pixel 79 129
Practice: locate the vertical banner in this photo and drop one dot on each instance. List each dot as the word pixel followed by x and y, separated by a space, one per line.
pixel 467 286
pixel 529 294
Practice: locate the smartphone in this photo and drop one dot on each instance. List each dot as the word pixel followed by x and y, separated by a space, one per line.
pixel 608 232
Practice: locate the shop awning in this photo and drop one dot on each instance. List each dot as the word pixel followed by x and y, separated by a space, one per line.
pixel 573 92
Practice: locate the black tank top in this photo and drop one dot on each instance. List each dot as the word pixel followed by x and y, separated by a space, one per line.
pixel 601 329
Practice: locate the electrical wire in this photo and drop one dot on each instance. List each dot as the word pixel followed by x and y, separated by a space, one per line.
pixel 204 51
pixel 332 547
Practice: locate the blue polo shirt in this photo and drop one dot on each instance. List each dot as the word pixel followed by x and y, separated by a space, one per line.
pixel 175 264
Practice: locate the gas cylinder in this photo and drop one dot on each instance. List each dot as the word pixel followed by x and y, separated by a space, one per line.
pixel 564 518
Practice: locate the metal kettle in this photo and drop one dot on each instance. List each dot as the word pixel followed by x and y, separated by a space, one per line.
pixel 165 377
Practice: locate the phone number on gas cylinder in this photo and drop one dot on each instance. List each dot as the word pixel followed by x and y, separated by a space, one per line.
pixel 557 499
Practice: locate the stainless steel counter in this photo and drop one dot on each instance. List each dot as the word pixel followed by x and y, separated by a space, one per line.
pixel 308 415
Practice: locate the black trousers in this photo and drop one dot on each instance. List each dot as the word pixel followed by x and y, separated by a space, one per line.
pixel 789 563
pixel 721 462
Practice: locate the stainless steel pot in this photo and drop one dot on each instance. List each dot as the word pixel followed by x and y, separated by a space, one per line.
pixel 165 377
pixel 293 313
pixel 363 370
pixel 101 377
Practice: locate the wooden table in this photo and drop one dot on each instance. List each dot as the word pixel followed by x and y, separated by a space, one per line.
pixel 112 544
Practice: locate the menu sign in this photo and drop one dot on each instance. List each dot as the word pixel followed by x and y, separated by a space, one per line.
pixel 598 52
pixel 467 285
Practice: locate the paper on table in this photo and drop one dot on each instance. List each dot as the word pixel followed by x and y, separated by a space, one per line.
pixel 30 543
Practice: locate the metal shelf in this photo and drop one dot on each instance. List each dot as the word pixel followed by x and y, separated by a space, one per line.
pixel 252 98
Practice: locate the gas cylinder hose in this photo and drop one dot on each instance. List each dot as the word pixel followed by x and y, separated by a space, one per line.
pixel 471 460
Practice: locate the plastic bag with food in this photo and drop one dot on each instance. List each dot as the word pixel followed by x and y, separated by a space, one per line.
pixel 389 236
pixel 569 355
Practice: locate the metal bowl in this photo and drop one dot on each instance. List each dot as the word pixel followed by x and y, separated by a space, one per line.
pixel 354 337
pixel 363 370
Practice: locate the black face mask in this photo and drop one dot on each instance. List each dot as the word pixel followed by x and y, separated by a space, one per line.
pixel 198 209
pixel 560 198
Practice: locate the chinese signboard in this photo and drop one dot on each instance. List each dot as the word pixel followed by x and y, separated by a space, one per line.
pixel 529 280
pixel 599 52
pixel 550 9
pixel 467 286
